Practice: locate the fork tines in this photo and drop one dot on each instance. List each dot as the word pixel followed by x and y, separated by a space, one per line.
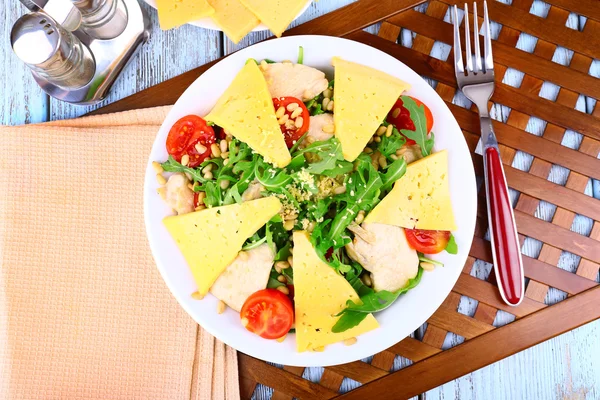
pixel 478 66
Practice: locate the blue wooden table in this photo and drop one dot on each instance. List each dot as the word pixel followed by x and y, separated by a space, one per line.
pixel 567 367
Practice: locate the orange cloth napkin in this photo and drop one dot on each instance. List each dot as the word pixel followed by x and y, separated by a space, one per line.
pixel 84 313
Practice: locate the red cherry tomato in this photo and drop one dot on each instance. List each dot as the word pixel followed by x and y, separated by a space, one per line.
pixel 427 242
pixel 290 132
pixel 185 135
pixel 402 119
pixel 268 313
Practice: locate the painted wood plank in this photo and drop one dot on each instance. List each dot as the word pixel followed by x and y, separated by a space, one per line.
pixel 23 101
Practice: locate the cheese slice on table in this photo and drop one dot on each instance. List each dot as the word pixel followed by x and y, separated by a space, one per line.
pixel 420 199
pixel 173 13
pixel 320 293
pixel 276 14
pixel 233 18
pixel 363 98
pixel 246 111
pixel 211 239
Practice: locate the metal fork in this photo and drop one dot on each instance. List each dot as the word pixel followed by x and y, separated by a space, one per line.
pixel 477 83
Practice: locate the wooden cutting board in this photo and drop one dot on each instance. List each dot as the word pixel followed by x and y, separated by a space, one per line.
pixel 535 321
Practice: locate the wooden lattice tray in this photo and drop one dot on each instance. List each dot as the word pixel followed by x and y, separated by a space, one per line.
pixel 535 320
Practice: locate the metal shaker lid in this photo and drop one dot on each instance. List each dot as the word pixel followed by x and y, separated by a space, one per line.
pixel 36 39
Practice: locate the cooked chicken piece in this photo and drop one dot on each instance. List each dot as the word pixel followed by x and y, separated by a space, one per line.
pixel 296 80
pixel 411 153
pixel 315 129
pixel 253 191
pixel 386 255
pixel 178 195
pixel 247 274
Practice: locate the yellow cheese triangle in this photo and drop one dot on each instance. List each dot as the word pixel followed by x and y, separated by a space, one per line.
pixel 173 13
pixel 276 14
pixel 420 199
pixel 320 293
pixel 363 97
pixel 246 111
pixel 233 18
pixel 211 239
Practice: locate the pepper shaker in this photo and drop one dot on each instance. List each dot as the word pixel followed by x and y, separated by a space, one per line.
pixel 102 19
pixel 53 53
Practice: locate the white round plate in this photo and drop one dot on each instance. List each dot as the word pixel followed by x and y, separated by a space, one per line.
pixel 406 314
pixel 208 23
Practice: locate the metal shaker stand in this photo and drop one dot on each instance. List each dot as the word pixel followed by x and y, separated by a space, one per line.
pixel 110 55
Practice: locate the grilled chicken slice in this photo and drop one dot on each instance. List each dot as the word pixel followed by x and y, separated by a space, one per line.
pixel 253 191
pixel 315 129
pixel 296 80
pixel 383 250
pixel 247 274
pixel 178 195
pixel 411 153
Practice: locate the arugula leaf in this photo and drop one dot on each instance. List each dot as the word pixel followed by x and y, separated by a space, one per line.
pixel 419 135
pixel 273 179
pixel 301 55
pixel 171 165
pixel 371 302
pixel 331 159
pixel 273 283
pixel 389 145
pixel 255 243
pixel 394 171
pixel 452 247
pixel 429 260
pixel 284 252
pixel 429 143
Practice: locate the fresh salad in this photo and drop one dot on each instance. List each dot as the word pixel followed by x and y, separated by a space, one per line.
pixel 308 203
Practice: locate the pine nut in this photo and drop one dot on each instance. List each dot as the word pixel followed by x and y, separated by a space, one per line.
pixel 221 307
pixel 244 322
pixel 157 167
pixel 396 112
pixel 370 140
pixel 377 139
pixel 200 148
pixel 264 65
pixel 289 124
pixel 190 186
pixel 224 155
pixel 306 95
pixel 381 130
pixel 185 160
pixel 327 93
pixel 208 168
pixel 299 122
pixel 292 106
pixel 366 278
pixel 339 190
pixel 329 128
pixel 293 215
pixel 215 150
pixel 162 192
pixel 197 296
pixel 427 266
pixel 382 161
pixel 291 250
pixel 200 207
pixel 368 150
pixel 290 261
pixel 283 289
pixel 360 217
pixel 330 106
pixel 389 130
pixel 297 112
pixel 279 113
pixel 243 256
pixel 281 339
pixel 223 145
pixel 208 175
pixel 400 152
pixel 201 197
pixel 326 101
pixel 283 119
pixel 289 225
pixel 226 161
pixel 161 179
pixel 279 265
pixel 224 184
pixel 311 226
pixel 282 279
pixel 350 341
pixel 394 157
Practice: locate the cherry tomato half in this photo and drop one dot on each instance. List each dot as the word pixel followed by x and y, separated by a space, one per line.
pixel 402 119
pixel 427 242
pixel 185 134
pixel 268 313
pixel 291 133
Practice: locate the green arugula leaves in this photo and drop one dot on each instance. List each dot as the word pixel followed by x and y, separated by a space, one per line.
pixel 420 134
pixel 452 247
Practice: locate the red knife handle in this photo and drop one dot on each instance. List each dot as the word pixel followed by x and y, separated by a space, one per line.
pixel 503 231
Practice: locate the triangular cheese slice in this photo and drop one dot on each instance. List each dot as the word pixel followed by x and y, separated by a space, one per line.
pixel 233 18
pixel 320 293
pixel 363 98
pixel 246 111
pixel 420 199
pixel 172 13
pixel 211 239
pixel 276 14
